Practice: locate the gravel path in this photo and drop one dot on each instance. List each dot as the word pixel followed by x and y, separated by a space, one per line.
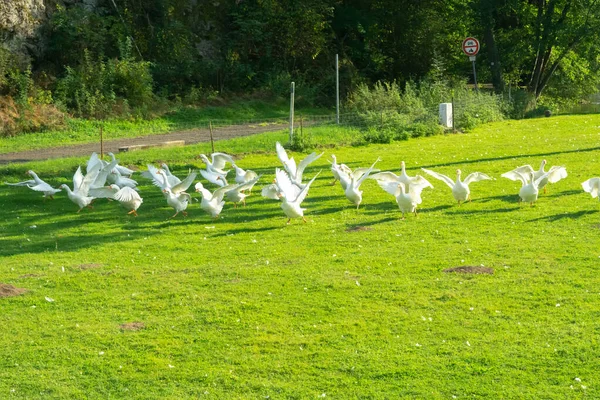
pixel 190 137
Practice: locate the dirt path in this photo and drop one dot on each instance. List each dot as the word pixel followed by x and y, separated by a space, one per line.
pixel 190 137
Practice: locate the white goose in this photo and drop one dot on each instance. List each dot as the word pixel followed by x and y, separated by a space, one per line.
pixel 122 170
pixel 289 164
pixel 553 175
pixel 242 176
pixel 120 180
pixel 129 198
pixel 409 181
pixel 407 200
pixel 37 185
pixel 103 174
pixel 460 189
pixel 336 169
pixel 81 186
pixel 290 201
pixel 212 203
pixel 179 202
pixel 592 186
pixel 530 185
pixel 213 177
pixel 352 191
pixel 217 162
pixel 236 194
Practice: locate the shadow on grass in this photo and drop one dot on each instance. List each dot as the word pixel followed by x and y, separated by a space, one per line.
pixel 558 217
pixel 479 160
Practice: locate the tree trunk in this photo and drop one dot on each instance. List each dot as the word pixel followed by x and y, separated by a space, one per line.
pixel 493 55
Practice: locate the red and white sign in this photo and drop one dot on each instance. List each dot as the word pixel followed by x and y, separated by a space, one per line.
pixel 470 46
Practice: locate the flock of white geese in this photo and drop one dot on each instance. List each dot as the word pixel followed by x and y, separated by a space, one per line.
pixel 104 179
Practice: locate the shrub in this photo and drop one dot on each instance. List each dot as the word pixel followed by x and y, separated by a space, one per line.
pixel 97 88
pixel 302 141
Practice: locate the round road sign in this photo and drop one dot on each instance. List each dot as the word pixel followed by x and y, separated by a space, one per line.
pixel 470 46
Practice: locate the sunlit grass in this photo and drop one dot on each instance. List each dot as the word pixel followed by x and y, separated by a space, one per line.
pixel 247 307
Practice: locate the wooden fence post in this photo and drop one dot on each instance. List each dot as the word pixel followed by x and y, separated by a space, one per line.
pixel 212 143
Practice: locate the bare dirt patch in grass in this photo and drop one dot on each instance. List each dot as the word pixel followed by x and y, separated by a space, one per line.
pixel 10 291
pixel 358 228
pixel 30 276
pixel 470 269
pixel 89 266
pixel 132 326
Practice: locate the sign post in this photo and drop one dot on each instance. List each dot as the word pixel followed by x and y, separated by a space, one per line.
pixel 470 46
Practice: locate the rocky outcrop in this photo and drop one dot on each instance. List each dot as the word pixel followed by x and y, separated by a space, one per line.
pixel 21 20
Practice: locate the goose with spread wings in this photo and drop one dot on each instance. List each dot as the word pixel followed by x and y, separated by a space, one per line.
pixel 386 177
pixel 291 203
pixel 294 171
pixel 36 184
pixel 352 191
pixel 460 188
pixel 217 162
pixel 553 175
pixel 407 200
pixel 236 194
pixel 126 196
pixel 530 185
pixel 592 186
pixel 81 187
pixel 213 202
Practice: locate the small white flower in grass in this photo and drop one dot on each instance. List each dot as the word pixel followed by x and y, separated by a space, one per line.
pixel 28 240
pixel 254 241
pixel 357 283
pixel 462 261
pixel 423 318
pixel 417 344
pixel 430 319
pixel 335 255
pixel 33 226
pixel 49 299
pixel 63 269
pixel 120 367
pixel 557 304
pixel 469 250
pixel 32 306
pixel 101 353
pixel 267 262
pixel 468 344
pixel 323 395
pixel 472 308
pixel 583 387
pixel 578 379
pixel 171 366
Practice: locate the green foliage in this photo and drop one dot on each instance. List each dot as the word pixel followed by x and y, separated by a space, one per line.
pixel 96 87
pixel 302 141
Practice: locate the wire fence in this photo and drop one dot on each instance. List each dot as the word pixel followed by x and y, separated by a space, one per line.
pixel 177 133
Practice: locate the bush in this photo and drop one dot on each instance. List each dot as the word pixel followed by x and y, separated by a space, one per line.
pixel 386 105
pixel 98 88
pixel 302 141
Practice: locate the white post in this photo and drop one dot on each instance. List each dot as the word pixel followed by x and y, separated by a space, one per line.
pixel 337 90
pixel 292 112
pixel 446 116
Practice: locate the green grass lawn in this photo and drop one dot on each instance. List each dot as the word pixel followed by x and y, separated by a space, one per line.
pixel 79 130
pixel 353 304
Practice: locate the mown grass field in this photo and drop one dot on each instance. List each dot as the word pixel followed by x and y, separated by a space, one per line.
pixel 353 304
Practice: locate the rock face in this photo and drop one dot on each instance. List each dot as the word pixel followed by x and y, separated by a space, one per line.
pixel 20 20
